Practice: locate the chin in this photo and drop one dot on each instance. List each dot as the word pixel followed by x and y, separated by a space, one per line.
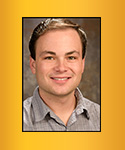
pixel 63 92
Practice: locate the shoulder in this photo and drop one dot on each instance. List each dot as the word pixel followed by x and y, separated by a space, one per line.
pixel 94 113
pixel 26 110
pixel 27 105
pixel 27 102
pixel 90 105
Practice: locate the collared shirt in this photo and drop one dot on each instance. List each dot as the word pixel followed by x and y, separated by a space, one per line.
pixel 37 116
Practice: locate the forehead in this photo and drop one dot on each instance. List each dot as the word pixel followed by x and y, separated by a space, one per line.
pixel 59 32
pixel 59 39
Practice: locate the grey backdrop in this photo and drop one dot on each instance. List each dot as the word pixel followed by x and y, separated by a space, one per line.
pixel 90 83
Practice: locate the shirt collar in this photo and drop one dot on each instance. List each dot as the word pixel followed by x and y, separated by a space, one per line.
pixel 82 104
pixel 40 109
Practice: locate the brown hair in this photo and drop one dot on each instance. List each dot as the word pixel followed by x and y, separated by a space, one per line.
pixel 55 23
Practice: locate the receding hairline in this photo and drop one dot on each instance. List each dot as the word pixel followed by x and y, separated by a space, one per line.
pixel 56 24
pixel 58 29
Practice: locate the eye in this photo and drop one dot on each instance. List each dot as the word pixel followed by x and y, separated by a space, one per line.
pixel 49 58
pixel 71 58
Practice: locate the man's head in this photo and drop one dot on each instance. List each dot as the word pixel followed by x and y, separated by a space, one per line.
pixel 51 24
pixel 57 59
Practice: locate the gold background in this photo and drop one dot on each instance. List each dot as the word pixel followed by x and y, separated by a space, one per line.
pixel 112 132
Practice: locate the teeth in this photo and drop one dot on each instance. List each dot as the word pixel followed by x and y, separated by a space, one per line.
pixel 60 79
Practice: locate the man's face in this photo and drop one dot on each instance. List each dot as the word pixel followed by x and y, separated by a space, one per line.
pixel 59 64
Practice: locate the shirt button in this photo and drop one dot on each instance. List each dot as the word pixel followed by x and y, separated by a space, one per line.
pixel 66 129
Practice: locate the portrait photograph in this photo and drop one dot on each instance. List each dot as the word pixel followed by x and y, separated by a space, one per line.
pixel 61 74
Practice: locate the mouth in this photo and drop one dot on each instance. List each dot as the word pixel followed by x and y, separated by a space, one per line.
pixel 60 79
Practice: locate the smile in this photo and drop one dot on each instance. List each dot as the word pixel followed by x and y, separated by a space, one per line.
pixel 60 78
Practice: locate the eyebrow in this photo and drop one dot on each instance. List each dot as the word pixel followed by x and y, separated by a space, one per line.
pixel 47 52
pixel 53 53
pixel 72 52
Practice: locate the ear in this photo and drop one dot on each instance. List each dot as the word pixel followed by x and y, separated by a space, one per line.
pixel 83 64
pixel 32 65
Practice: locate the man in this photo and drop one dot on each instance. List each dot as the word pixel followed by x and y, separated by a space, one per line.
pixel 57 48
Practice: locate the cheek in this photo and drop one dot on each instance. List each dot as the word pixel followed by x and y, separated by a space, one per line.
pixel 77 68
pixel 42 68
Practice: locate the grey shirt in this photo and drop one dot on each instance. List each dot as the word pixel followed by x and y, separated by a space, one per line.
pixel 37 116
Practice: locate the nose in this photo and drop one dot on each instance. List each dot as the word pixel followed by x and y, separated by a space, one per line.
pixel 60 66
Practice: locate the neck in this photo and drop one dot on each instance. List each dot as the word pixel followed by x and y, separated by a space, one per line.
pixel 62 106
